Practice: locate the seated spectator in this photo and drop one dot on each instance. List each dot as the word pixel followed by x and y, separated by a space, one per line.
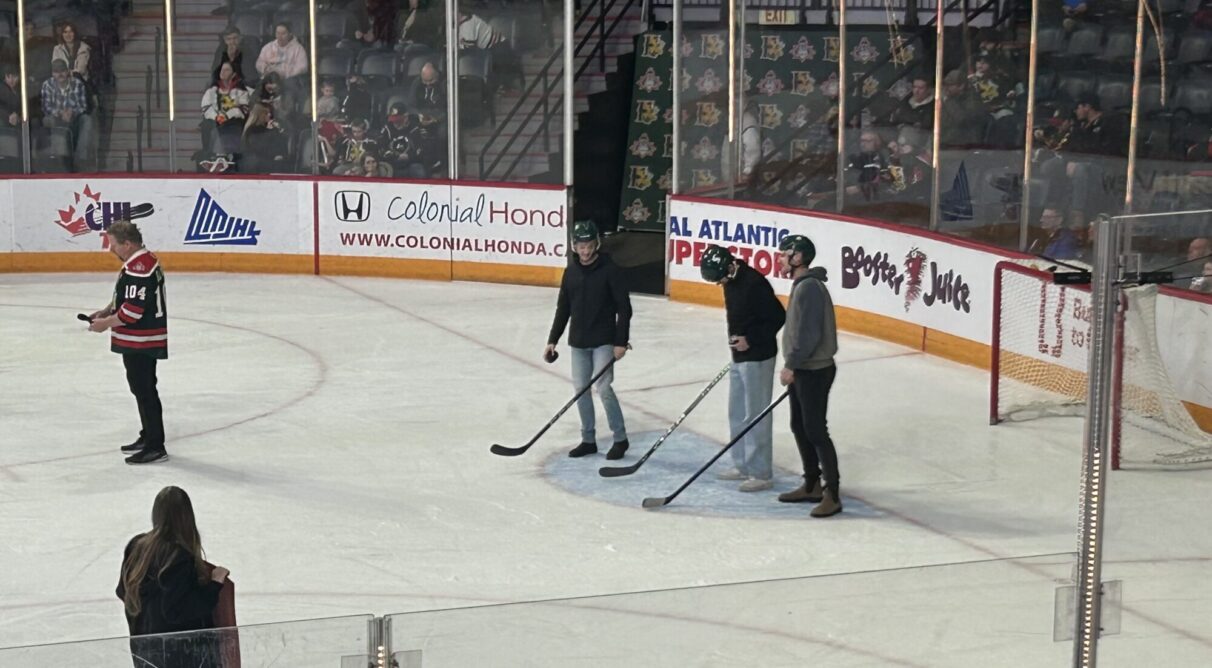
pixel 272 94
pixel 399 148
pixel 358 102
pixel 423 24
pixel 962 118
pixel 1074 11
pixel 1093 132
pixel 371 168
pixel 1061 243
pixel 867 167
pixel 476 33
pixel 10 97
pixel 377 19
pixel 283 56
pixel 225 107
pixel 65 104
pixel 1200 249
pixel 229 52
pixel 264 142
pixel 1203 283
pixel 916 110
pixel 428 92
pixel 71 50
pixel 349 155
pixel 911 169
pixel 328 107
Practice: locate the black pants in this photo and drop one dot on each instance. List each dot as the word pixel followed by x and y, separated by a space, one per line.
pixel 141 377
pixel 809 405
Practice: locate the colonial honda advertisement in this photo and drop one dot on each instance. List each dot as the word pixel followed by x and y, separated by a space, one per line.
pixel 439 221
pixel 922 279
pixel 229 215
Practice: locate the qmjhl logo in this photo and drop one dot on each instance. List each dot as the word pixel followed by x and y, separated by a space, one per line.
pixel 89 212
pixel 352 206
pixel 878 267
pixel 210 224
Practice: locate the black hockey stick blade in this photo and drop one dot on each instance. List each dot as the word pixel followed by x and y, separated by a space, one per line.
pixel 619 471
pixel 505 451
pixel 81 316
pixel 657 502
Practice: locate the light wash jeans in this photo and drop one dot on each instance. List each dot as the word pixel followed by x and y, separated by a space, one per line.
pixel 750 385
pixel 585 363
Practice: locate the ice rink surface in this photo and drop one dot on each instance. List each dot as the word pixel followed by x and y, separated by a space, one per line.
pixel 333 434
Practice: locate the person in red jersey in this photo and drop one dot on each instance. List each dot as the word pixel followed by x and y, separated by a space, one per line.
pixel 137 319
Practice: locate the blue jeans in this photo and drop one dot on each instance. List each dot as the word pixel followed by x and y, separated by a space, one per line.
pixel 585 363
pixel 750 385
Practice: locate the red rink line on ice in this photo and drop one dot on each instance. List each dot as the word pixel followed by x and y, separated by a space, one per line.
pixel 315 357
pixel 534 364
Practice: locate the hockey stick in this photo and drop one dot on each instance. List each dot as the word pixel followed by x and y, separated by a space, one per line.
pixel 81 316
pixel 657 501
pixel 616 471
pixel 504 451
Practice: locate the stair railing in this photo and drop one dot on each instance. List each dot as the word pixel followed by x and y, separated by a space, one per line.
pixel 548 79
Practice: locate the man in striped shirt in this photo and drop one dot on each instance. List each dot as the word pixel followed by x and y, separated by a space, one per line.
pixel 137 319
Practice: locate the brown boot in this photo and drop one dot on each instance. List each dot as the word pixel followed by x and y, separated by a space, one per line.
pixel 830 505
pixel 803 493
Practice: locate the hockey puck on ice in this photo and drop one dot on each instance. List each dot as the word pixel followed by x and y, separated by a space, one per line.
pixel 551 357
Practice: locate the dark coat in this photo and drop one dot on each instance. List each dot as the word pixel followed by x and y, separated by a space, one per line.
pixel 595 298
pixel 173 601
pixel 754 312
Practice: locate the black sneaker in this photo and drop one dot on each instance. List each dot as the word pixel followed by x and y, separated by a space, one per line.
pixel 618 449
pixel 583 449
pixel 137 446
pixel 147 457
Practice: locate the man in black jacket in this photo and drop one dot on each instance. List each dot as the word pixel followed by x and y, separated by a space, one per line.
pixel 755 316
pixel 594 297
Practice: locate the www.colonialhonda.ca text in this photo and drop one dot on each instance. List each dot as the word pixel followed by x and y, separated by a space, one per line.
pixel 459 244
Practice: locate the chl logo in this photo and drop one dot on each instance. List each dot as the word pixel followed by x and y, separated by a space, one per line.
pixel 352 206
pixel 210 224
pixel 88 212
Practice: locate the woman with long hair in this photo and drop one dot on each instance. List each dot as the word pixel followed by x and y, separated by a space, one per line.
pixel 72 50
pixel 167 587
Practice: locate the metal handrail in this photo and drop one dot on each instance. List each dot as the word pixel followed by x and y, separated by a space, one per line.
pixel 550 82
pixel 919 32
pixel 147 97
pixel 139 136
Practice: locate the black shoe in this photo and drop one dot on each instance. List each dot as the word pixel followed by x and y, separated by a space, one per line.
pixel 618 449
pixel 584 449
pixel 134 447
pixel 147 457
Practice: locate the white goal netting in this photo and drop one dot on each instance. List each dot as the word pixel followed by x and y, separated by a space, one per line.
pixel 1041 347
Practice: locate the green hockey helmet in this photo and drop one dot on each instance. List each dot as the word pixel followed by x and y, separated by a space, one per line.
pixel 798 243
pixel 715 263
pixel 584 230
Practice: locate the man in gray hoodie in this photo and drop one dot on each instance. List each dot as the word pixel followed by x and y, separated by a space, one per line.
pixel 809 344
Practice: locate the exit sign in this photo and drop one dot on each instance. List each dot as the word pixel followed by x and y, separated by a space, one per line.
pixel 778 17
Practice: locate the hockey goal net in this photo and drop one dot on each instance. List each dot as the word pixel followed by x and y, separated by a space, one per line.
pixel 1041 344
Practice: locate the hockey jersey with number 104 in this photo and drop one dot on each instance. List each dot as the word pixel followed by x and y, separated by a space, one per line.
pixel 139 303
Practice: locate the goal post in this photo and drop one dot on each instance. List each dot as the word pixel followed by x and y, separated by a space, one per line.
pixel 1039 368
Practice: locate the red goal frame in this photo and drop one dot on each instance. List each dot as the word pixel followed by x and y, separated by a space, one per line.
pixel 995 348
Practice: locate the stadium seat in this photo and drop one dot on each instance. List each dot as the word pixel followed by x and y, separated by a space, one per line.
pixel 1115 91
pixel 1085 41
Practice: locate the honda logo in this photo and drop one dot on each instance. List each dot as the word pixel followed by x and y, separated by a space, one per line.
pixel 353 206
